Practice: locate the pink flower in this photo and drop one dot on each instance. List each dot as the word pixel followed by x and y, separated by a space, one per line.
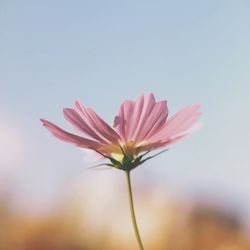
pixel 139 127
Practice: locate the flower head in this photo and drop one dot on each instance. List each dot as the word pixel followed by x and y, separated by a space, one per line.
pixel 139 127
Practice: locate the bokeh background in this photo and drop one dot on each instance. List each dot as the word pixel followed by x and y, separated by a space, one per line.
pixel 196 196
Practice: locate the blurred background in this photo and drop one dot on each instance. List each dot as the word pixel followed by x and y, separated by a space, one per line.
pixel 196 196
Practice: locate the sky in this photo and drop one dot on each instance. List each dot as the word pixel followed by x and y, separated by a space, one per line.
pixel 102 52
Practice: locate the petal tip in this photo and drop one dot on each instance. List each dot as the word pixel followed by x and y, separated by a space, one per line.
pixel 151 95
pixel 65 110
pixel 77 103
pixel 44 122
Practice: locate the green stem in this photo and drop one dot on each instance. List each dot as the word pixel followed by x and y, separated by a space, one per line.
pixel 132 211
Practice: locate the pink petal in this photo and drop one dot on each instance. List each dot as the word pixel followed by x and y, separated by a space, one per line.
pixel 131 121
pixel 98 125
pixel 191 130
pixel 80 124
pixel 68 137
pixel 159 144
pixel 179 124
pixel 136 116
pixel 168 142
pixel 123 122
pixel 149 103
pixel 155 121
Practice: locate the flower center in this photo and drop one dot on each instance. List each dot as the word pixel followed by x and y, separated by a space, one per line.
pixel 115 150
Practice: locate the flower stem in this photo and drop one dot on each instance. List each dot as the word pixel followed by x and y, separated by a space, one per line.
pixel 132 211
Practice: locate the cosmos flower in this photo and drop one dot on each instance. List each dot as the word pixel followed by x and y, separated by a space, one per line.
pixel 139 127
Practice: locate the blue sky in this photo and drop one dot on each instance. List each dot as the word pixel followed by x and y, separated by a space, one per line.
pixel 102 52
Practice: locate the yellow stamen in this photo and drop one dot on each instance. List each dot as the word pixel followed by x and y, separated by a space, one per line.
pixel 115 150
